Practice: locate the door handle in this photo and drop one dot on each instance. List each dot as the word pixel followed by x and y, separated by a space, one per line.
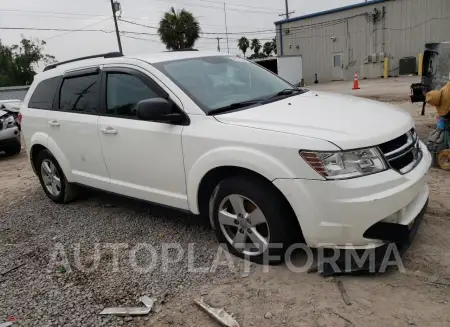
pixel 53 123
pixel 109 130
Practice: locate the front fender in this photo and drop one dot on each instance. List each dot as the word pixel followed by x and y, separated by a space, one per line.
pixel 251 159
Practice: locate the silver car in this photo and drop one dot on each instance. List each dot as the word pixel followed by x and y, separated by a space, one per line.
pixel 10 126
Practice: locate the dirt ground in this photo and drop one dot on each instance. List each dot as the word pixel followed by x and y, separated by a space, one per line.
pixel 280 297
pixel 419 297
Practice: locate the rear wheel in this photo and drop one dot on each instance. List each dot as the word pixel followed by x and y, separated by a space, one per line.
pixel 250 218
pixel 52 178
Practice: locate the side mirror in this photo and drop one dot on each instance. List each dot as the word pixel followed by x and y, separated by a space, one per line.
pixel 154 109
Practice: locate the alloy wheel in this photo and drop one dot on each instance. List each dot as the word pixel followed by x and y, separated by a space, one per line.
pixel 244 225
pixel 51 178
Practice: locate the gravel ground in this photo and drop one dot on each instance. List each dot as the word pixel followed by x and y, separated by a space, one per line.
pixel 36 235
pixel 40 233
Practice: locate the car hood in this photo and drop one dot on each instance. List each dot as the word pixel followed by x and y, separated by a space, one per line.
pixel 3 113
pixel 347 121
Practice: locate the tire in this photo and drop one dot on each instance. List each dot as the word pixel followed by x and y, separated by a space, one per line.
pixel 13 149
pixel 59 190
pixel 443 160
pixel 255 194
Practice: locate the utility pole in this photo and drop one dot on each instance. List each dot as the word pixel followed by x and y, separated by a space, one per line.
pixel 226 26
pixel 113 7
pixel 218 43
pixel 287 10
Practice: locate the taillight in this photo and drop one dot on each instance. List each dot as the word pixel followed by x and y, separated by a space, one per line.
pixel 19 117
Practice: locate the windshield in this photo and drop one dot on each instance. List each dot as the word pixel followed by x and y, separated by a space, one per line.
pixel 219 81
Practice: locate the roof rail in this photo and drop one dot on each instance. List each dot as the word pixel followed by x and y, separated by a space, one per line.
pixel 103 55
pixel 186 49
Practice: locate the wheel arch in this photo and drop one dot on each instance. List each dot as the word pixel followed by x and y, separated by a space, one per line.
pixel 231 159
pixel 214 176
pixel 52 147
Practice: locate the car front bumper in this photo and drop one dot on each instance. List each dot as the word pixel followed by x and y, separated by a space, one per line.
pixel 340 213
pixel 9 136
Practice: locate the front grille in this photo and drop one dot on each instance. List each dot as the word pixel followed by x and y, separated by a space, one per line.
pixel 402 153
pixel 394 144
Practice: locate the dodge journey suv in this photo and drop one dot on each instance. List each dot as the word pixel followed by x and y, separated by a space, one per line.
pixel 220 136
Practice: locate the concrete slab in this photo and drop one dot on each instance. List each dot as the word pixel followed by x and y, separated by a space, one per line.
pixel 391 89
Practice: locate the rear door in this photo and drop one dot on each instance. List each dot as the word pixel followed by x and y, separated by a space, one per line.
pixel 34 113
pixel 73 126
pixel 144 158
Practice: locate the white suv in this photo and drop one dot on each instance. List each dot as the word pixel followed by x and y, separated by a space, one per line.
pixel 217 135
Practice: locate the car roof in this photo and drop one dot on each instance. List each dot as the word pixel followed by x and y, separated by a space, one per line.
pixel 151 58
pixel 175 55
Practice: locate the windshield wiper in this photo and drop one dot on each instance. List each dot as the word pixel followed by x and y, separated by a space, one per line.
pixel 283 93
pixel 235 105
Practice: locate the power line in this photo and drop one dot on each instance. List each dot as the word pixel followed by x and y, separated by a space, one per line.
pixel 139 38
pixel 50 12
pixel 208 33
pixel 54 29
pixel 153 27
pixel 129 22
pixel 218 8
pixel 202 24
pixel 81 29
pixel 57 16
pixel 236 5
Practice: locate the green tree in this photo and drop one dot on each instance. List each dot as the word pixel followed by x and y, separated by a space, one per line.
pixel 243 44
pixel 255 46
pixel 179 29
pixel 268 48
pixel 18 62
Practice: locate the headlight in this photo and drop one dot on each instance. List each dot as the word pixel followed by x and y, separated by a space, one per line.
pixel 345 164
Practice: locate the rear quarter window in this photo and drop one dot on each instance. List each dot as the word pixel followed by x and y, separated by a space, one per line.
pixel 44 94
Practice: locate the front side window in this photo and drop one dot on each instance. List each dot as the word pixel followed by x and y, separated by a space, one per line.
pixel 123 92
pixel 80 94
pixel 44 94
pixel 218 81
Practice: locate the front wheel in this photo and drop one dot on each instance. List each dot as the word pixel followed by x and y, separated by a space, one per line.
pixel 250 218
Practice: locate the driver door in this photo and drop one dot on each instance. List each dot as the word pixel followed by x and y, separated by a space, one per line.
pixel 144 158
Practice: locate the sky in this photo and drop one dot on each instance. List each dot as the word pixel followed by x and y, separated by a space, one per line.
pixel 243 19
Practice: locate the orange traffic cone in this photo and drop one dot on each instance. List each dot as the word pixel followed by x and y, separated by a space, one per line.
pixel 356 82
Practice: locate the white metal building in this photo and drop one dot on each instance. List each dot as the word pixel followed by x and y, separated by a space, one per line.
pixel 337 43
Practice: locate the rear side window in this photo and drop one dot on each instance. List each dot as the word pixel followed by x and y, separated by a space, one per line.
pixel 80 94
pixel 44 94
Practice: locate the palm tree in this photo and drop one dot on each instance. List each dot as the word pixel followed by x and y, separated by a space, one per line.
pixel 255 46
pixel 179 29
pixel 243 44
pixel 268 48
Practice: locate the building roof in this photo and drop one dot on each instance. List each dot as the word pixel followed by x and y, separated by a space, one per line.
pixel 330 11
